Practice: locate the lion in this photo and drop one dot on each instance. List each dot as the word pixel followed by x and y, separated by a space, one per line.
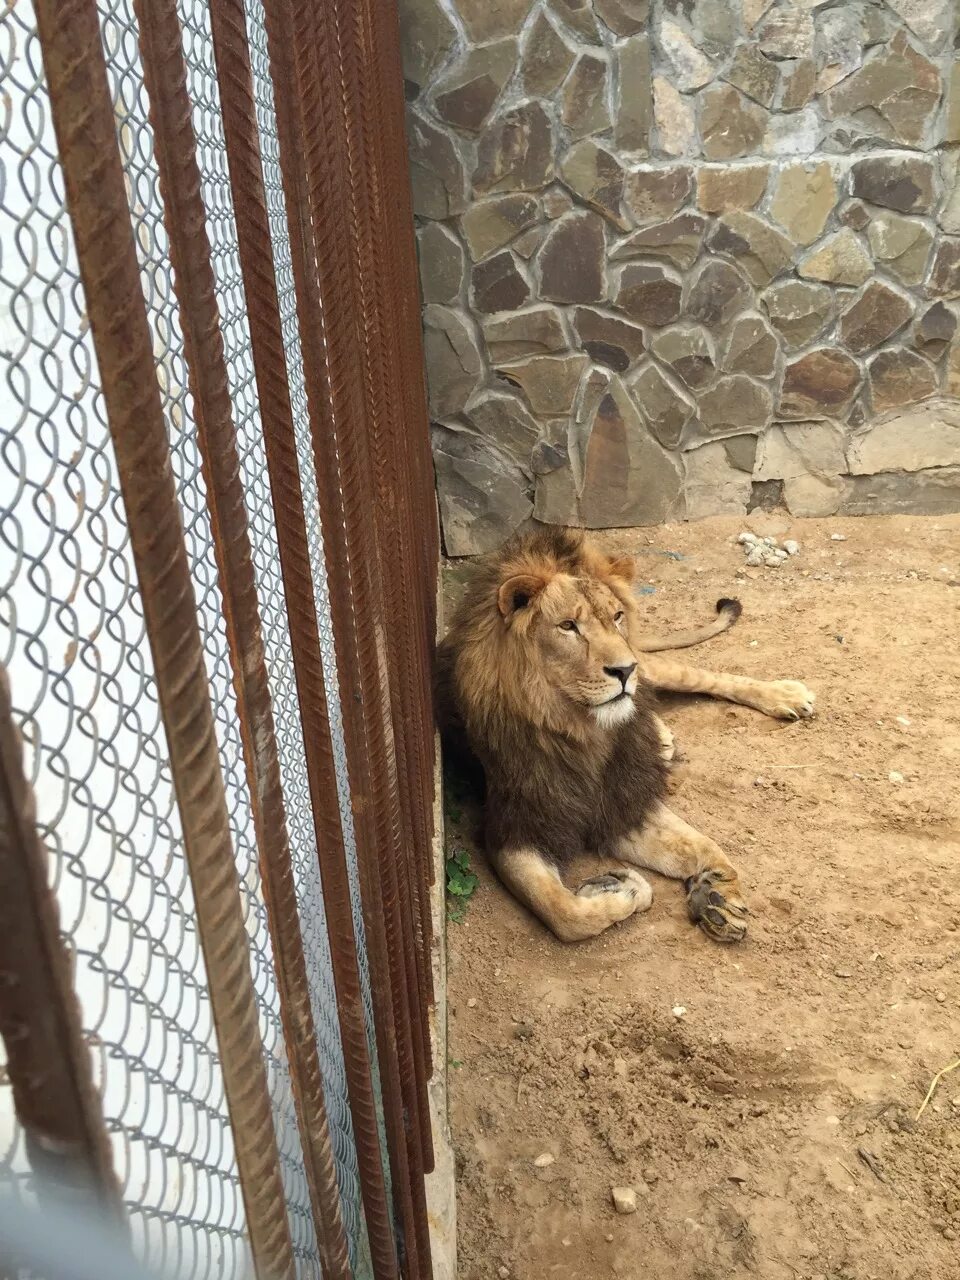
pixel 548 678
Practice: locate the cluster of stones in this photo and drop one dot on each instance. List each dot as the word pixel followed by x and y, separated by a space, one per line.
pixel 686 257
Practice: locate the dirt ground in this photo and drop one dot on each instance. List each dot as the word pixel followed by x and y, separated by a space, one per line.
pixel 761 1099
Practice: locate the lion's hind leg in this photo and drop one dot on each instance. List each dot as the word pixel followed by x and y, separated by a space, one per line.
pixel 572 914
pixel 671 846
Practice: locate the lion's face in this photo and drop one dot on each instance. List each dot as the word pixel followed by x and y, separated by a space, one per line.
pixel 574 630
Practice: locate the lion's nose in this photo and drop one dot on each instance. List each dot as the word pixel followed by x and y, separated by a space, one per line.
pixel 623 673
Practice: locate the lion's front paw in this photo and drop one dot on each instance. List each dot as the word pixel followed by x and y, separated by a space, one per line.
pixel 786 700
pixel 720 914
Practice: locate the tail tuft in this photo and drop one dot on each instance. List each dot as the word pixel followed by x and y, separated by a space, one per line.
pixel 731 607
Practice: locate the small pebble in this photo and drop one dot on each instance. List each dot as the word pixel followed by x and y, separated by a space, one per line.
pixel 503 1273
pixel 791 548
pixel 838 537
pixel 843 973
pixel 609 1237
pixel 895 775
pixel 472 1002
pixel 650 1175
pixel 624 1199
pixel 747 539
pixel 679 1010
pixel 949 1233
pixel 755 556
pixel 904 720
pixel 544 1161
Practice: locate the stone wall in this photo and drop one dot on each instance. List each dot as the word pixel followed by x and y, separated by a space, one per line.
pixel 685 257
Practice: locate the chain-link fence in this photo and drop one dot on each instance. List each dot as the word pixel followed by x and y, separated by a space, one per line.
pixel 93 682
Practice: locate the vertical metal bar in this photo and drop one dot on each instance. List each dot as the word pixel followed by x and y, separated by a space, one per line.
pixel 256 259
pixel 165 77
pixel 83 121
pixel 309 128
pixel 48 1062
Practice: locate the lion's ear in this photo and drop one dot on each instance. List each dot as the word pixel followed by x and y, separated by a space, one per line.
pixel 517 592
pixel 624 567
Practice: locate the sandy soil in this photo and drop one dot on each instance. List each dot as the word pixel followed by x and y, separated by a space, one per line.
pixel 769 1130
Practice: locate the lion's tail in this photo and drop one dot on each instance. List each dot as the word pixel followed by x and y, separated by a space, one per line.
pixel 728 611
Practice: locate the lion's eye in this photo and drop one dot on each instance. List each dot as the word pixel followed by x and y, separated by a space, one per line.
pixel 618 616
pixel 568 626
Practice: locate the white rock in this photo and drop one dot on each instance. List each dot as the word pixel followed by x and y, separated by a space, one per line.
pixel 755 555
pixel 747 539
pixel 838 537
pixel 895 775
pixel 624 1199
pixel 791 548
pixel 679 1010
pixel 544 1161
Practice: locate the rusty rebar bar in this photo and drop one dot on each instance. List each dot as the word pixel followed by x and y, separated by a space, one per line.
pixel 165 77
pixel 256 259
pixel 307 120
pixel 84 124
pixel 48 1062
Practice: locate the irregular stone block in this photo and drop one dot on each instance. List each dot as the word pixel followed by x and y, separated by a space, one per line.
pixel 465 96
pixel 689 68
pixel 820 384
pixel 497 284
pixel 854 214
pixel 549 382
pixel 798 449
pixel 515 152
pixel 426 37
pixel 840 37
pixel 688 351
pixel 799 311
pixel 741 452
pixel 712 23
pixel 761 250
pixel 556 203
pixel 786 33
pixel 873 317
pixel 897 92
pixel 537 331
pixel 623 17
pixel 716 293
pixel 572 260
pixel 838 259
pixel 935 330
pixel 649 294
pixel 919 493
pixel 607 339
pixel 578 16
pixel 949 216
pixel 665 406
pixel 636 101
pixel 900 377
pixel 798 83
pixel 442 263
pixel 546 58
pixel 711 485
pixel 723 186
pixel 527 244
pixel 951 127
pixel 902 244
pixel 489 225
pixel 904 183
pixel 911 440
pixel 437 178
pixel 752 347
pixel 504 421
pixel 596 177
pixel 815 496
pixel 652 194
pixel 730 125
pixel 627 477
pixel 489 19
pixel 452 358
pixel 945 273
pixel 734 404
pixel 673 114
pixel 555 497
pixel 934 21
pixel 483 498
pixel 796 134
pixel 754 75
pixel 583 102
pixel 803 199
pixel 678 240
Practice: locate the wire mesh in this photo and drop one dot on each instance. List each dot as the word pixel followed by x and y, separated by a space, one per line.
pixel 72 637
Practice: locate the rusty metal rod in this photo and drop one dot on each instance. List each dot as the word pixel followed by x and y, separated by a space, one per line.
pixel 48 1062
pixel 84 123
pixel 165 77
pixel 257 265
